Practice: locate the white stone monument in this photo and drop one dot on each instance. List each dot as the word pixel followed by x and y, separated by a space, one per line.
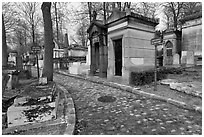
pixel 183 57
pixel 190 58
pixel 176 59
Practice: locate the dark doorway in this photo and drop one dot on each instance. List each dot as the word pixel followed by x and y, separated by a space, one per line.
pixel 118 57
pixel 97 56
pixel 169 53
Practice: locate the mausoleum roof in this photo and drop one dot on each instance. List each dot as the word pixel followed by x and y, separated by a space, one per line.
pixel 98 23
pixel 118 15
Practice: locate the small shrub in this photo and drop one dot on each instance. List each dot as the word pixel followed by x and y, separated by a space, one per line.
pixel 171 70
pixel 147 76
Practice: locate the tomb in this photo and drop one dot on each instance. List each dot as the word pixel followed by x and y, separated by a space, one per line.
pixel 171 47
pixel 121 45
pixel 129 46
pixel 192 39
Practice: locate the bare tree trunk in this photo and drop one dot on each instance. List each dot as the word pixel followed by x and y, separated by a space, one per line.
pixel 33 34
pixel 66 40
pixel 104 12
pixel 90 11
pixel 49 44
pixel 57 28
pixel 4 45
pixel 19 62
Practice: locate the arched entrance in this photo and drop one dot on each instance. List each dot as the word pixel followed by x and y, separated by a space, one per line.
pixel 99 53
pixel 169 53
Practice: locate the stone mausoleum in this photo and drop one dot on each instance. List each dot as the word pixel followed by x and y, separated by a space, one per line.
pixel 192 39
pixel 121 45
pixel 171 49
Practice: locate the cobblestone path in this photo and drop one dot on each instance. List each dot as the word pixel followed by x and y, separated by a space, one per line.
pixel 129 114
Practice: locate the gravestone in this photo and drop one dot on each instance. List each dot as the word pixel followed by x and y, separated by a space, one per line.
pixel 21 113
pixel 41 65
pixel 43 80
pixel 176 59
pixel 74 68
pixel 183 57
pixel 190 58
pixel 9 83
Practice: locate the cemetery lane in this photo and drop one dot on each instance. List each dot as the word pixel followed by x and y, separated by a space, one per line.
pixel 123 113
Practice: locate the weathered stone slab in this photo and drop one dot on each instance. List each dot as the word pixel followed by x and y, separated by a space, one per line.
pixel 21 114
pixel 183 57
pixel 188 88
pixel 190 58
pixel 168 81
pixel 176 59
pixel 43 80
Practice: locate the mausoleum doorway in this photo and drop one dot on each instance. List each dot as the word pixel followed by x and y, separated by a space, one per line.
pixel 96 45
pixel 118 56
pixel 169 53
pixel 98 48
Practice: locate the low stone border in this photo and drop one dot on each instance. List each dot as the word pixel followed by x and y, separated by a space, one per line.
pixel 135 91
pixel 184 87
pixel 70 117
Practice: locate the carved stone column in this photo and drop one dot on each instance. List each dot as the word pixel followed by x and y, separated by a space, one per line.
pixel 103 54
pixel 93 59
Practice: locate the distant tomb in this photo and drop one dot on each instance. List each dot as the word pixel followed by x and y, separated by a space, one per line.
pixel 176 59
pixel 190 58
pixel 183 57
pixel 192 39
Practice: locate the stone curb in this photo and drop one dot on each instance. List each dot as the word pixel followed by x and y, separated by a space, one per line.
pixel 136 91
pixel 69 110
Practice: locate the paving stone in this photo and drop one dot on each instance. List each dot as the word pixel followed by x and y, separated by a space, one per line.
pixel 138 115
pixel 163 128
pixel 123 129
pixel 139 122
pixel 144 113
pixel 150 119
pixel 111 128
pixel 131 114
pixel 173 130
pixel 157 108
pixel 151 109
pixel 169 122
pixel 190 127
pixel 158 120
pixel 165 109
pixel 189 122
pixel 153 130
pixel 161 123
pixel 181 128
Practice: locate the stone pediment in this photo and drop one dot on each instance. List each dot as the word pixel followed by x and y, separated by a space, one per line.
pixel 116 14
pixel 95 27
